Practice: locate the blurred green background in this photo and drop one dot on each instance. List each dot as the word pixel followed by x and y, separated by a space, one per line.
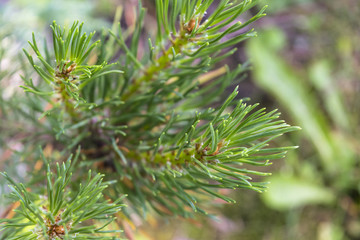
pixel 305 61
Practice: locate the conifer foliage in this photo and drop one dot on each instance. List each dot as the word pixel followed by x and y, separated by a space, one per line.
pixel 156 124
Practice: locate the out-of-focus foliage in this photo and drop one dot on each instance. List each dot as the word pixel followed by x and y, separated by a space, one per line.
pixel 310 65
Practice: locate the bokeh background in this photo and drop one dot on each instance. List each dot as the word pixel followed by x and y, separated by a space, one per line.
pixel 305 61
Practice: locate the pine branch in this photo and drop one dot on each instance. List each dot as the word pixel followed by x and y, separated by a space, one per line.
pixel 151 128
pixel 206 155
pixel 191 41
pixel 70 75
pixel 60 213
